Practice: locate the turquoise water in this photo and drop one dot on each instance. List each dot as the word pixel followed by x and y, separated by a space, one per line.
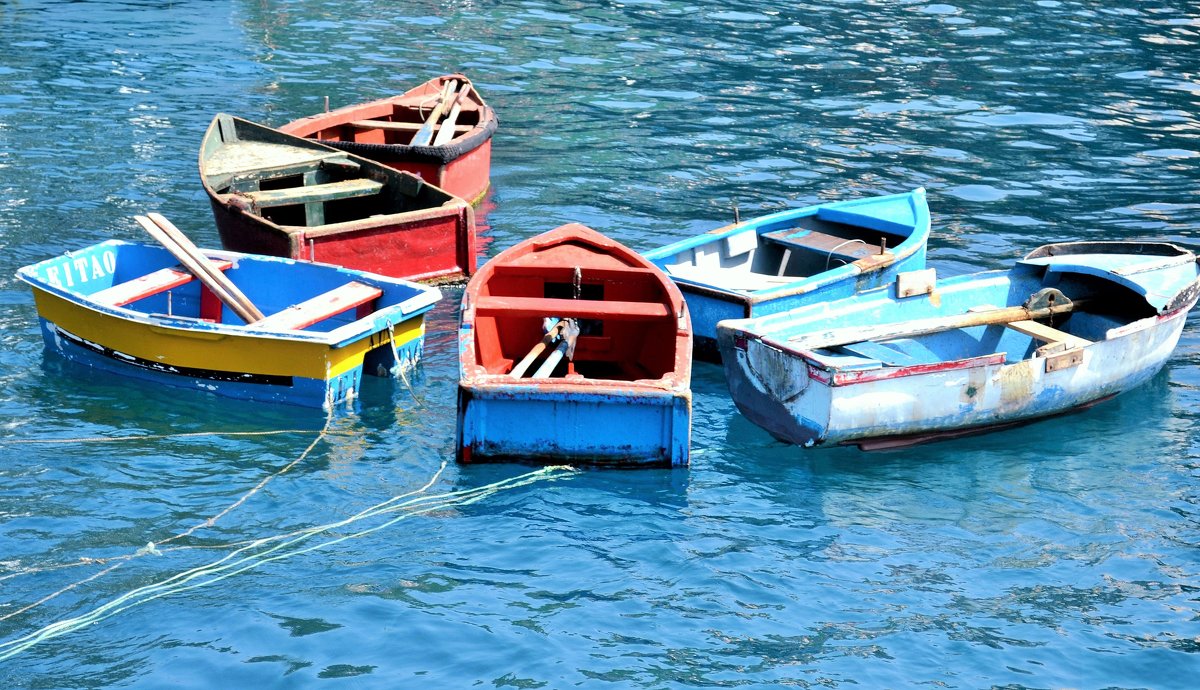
pixel 1062 554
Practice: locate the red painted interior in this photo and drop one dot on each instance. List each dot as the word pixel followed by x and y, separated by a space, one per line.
pixel 631 323
pixel 467 176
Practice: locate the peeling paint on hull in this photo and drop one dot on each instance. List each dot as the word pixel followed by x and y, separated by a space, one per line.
pixel 826 397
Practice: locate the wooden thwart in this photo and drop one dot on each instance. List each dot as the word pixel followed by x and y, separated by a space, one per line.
pixel 1047 334
pixel 552 272
pixel 321 307
pixel 888 356
pixel 403 126
pixel 150 284
pixel 583 309
pixel 837 247
pixel 330 191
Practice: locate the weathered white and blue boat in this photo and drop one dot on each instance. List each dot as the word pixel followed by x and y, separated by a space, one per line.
pixel 1069 326
pixel 792 258
pixel 132 310
pixel 574 349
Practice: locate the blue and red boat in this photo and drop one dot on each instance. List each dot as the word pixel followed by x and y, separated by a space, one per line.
pixel 573 348
pixel 1069 326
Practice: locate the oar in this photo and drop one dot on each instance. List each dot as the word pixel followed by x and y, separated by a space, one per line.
pixel 1041 305
pixel 198 264
pixel 565 348
pixel 446 131
pixel 548 339
pixel 218 276
pixel 423 135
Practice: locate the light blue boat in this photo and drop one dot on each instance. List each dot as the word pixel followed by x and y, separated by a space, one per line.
pixel 793 258
pixel 1069 326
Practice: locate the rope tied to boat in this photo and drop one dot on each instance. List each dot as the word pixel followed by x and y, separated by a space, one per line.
pixel 399 368
pixel 152 548
pixel 249 557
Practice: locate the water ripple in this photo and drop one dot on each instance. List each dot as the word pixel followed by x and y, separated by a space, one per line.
pixel 982 562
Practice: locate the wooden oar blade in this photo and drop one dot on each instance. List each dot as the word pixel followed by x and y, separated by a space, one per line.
pixel 551 335
pixel 425 134
pixel 446 129
pixel 217 276
pixel 194 261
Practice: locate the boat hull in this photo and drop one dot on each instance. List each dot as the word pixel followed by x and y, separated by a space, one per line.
pixel 467 176
pixel 799 402
pixel 462 166
pixel 280 195
pixel 431 245
pixel 709 307
pixel 729 279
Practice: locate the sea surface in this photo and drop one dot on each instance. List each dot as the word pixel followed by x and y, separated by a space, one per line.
pixel 156 538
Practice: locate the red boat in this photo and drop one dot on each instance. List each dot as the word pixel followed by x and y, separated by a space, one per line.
pixel 406 133
pixel 573 348
pixel 281 195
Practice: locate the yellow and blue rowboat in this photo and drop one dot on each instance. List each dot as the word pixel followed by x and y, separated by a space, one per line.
pixel 130 309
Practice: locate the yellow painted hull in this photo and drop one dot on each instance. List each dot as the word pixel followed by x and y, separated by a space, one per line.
pixel 212 349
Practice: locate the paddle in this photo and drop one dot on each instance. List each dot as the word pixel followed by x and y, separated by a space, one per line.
pixel 547 340
pixel 1042 304
pixel 446 129
pixel 425 134
pixel 565 348
pixel 182 249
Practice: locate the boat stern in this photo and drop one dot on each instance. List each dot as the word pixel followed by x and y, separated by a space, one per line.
pixel 611 426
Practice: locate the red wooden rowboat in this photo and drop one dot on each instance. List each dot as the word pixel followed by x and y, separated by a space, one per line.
pixel 574 348
pixel 280 195
pixel 384 131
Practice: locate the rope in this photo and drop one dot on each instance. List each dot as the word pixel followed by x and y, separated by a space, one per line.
pixel 400 365
pixel 839 246
pixel 152 547
pixel 234 563
pixel 416 398
pixel 257 487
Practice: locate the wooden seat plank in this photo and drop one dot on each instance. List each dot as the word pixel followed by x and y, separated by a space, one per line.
pixel 321 307
pixel 571 308
pixel 329 191
pixel 566 273
pixel 1047 334
pixel 823 242
pixel 398 126
pixel 741 278
pixel 142 287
